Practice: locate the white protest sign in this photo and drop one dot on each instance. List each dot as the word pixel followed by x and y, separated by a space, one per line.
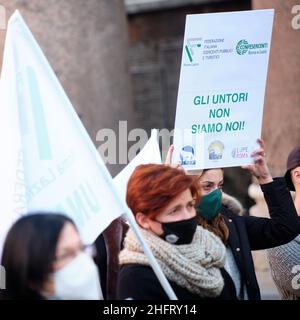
pixel 222 87
pixel 62 170
pixel 149 154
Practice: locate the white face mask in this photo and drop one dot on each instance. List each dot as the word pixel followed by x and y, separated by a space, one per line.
pixel 78 280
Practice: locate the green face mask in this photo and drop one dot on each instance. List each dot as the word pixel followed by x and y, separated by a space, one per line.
pixel 210 205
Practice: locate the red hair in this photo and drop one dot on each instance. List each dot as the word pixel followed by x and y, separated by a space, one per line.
pixel 152 187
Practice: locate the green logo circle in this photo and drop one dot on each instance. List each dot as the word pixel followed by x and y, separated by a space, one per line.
pixel 242 47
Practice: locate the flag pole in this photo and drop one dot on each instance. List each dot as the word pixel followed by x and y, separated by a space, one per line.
pixel 130 218
pixel 153 262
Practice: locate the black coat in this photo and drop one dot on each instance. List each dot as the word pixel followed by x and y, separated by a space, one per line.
pixel 139 282
pixel 108 246
pixel 248 233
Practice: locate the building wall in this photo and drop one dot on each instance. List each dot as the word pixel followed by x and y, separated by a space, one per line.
pixel 281 123
pixel 86 43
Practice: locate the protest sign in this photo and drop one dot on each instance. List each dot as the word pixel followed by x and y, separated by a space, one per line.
pixel 222 87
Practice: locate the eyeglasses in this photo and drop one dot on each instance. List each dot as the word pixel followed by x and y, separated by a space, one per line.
pixel 71 254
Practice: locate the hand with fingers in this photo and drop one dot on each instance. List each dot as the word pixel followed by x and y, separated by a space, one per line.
pixel 260 168
pixel 169 158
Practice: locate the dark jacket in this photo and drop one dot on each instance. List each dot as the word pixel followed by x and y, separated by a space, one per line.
pixel 108 246
pixel 248 233
pixel 139 282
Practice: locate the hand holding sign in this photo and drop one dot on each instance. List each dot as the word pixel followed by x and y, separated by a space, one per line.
pixel 169 158
pixel 260 168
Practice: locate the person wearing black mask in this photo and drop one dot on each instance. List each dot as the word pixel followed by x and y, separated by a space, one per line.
pixel 163 201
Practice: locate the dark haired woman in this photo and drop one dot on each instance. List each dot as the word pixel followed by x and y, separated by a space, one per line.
pixel 163 201
pixel 44 258
pixel 241 234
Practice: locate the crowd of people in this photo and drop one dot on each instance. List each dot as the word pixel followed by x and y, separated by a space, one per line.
pixel 199 235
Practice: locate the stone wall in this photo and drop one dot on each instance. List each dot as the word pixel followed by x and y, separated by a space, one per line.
pixel 281 123
pixel 86 43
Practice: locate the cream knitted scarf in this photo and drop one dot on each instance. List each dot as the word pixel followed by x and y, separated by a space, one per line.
pixel 194 266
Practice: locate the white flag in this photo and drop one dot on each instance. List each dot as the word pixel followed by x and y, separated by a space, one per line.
pixel 12 188
pixel 48 157
pixel 63 171
pixel 149 154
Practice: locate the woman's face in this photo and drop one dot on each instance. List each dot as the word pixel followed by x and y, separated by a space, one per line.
pixel 181 208
pixel 210 180
pixel 68 247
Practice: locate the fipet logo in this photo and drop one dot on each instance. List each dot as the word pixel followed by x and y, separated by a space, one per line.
pixel 2 277
pixel 191 48
pixel 243 47
pixel 215 150
pixel 240 152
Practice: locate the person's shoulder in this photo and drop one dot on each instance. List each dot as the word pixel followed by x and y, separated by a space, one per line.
pixel 230 214
pixel 139 282
pixel 290 250
pixel 137 272
pixel 231 205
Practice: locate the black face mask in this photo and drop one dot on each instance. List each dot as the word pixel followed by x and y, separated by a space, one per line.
pixel 179 232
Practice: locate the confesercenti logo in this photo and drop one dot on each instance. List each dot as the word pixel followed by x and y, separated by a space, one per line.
pixel 243 46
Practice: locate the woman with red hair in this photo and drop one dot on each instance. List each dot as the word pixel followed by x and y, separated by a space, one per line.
pixel 163 201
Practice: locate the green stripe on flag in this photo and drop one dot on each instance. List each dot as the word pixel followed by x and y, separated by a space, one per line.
pixel 39 118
